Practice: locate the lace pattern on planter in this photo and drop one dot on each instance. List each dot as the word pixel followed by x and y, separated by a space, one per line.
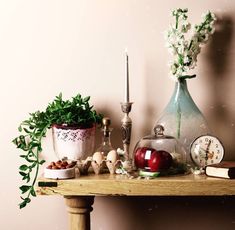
pixel 73 135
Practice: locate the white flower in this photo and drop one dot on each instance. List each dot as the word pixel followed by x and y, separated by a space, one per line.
pixel 173 77
pixel 186 59
pixel 212 30
pixel 173 68
pixel 184 50
pixel 172 50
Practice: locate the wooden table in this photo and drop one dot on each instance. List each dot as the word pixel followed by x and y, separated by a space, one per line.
pixel 79 193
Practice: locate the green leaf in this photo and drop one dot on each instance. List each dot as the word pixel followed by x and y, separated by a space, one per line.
pixel 60 96
pixel 33 165
pixel 35 144
pixel 42 162
pixel 27 200
pixel 180 59
pixel 22 204
pixel 86 99
pixel 23 167
pixel 40 148
pixel 27 178
pixel 22 174
pixel 24 188
pixel 26 130
pixel 15 141
pixel 29 160
pixel 32 192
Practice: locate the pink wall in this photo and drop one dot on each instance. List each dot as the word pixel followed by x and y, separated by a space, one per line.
pixel 53 46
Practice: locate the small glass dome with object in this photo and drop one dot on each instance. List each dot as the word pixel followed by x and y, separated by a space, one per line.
pixel 159 154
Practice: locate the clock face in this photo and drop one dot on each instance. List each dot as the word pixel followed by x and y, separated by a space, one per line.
pixel 206 150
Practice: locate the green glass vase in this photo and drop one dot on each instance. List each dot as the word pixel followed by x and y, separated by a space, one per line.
pixel 182 118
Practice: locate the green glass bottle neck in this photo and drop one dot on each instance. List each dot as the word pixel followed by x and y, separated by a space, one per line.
pixel 181 89
pixel 182 97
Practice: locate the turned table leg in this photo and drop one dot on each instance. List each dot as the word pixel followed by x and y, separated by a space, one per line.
pixel 79 208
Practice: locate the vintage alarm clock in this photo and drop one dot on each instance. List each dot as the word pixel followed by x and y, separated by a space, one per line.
pixel 206 150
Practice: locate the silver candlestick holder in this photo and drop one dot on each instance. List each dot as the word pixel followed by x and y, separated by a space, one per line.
pixel 126 129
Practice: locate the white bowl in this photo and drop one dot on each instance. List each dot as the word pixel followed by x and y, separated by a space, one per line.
pixel 59 173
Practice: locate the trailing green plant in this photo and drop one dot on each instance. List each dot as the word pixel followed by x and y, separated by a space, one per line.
pixel 75 112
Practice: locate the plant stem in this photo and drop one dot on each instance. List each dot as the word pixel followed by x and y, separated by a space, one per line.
pixel 200 28
pixel 176 21
pixel 178 120
pixel 190 45
pixel 203 24
pixel 37 169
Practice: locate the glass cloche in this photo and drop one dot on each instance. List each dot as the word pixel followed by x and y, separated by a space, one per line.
pixel 159 154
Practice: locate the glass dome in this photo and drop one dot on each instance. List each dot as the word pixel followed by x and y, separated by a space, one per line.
pixel 159 153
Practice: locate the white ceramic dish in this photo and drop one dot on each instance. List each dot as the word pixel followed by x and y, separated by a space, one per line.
pixel 59 173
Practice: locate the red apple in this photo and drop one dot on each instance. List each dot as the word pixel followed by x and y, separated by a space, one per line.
pixel 160 161
pixel 141 158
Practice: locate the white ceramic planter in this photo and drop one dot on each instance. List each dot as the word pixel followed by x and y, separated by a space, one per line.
pixel 73 143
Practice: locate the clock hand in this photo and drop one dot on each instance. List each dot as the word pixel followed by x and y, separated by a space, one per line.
pixel 199 149
pixel 207 151
pixel 208 146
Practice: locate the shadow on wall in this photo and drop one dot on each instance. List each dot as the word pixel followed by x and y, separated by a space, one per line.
pixel 222 110
pixel 152 90
pixel 163 213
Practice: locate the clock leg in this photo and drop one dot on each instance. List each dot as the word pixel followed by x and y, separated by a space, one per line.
pixel 79 208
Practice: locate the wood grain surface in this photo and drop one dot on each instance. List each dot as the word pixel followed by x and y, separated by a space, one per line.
pixel 121 185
